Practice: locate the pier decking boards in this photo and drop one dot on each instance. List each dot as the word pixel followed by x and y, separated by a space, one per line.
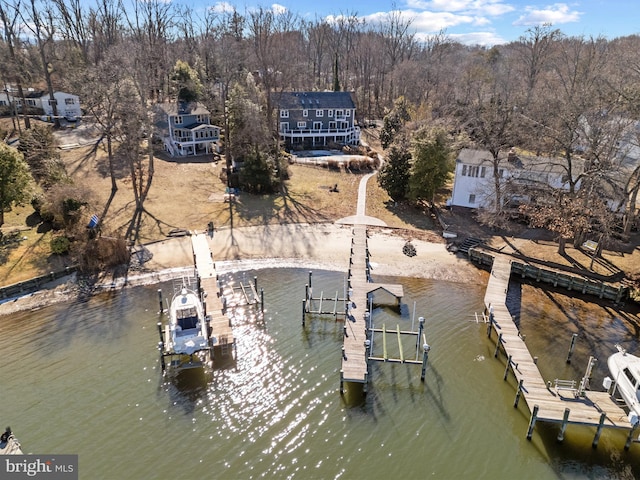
pixel 545 403
pixel 219 323
pixel 354 350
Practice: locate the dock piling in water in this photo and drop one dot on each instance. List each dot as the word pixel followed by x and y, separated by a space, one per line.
pixel 425 357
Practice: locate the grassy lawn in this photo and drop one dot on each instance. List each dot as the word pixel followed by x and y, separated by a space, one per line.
pixel 187 194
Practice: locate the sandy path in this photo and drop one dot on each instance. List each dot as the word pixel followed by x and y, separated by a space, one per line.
pixel 313 246
pixel 321 245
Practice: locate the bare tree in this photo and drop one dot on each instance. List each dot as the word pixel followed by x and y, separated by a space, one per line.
pixel 39 19
pixel 486 109
pixel 105 27
pixel 9 14
pixel 534 50
pixel 73 25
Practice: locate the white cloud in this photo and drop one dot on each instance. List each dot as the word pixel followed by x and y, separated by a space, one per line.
pixel 554 14
pixel 222 7
pixel 478 38
pixel 490 8
pixel 436 21
pixel 278 9
pixel 425 22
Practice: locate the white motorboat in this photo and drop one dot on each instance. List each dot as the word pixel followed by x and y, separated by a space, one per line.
pixel 9 445
pixel 625 370
pixel 188 329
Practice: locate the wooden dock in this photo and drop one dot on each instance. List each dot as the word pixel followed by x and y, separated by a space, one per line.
pixel 356 324
pixel 214 308
pixel 546 403
pixel 555 277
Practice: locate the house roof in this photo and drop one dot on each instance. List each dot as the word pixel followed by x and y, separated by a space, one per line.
pixel 530 163
pixel 35 94
pixel 304 100
pixel 197 126
pixel 182 108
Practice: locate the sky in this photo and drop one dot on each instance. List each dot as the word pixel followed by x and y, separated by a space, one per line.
pixel 483 22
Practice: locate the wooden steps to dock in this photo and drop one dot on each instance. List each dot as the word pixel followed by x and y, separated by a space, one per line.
pixel 546 404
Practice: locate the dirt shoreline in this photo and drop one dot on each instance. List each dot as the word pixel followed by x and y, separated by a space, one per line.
pixel 313 246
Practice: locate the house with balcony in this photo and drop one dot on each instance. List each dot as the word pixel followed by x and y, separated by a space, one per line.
pixel 186 129
pixel 316 119
pixel 521 177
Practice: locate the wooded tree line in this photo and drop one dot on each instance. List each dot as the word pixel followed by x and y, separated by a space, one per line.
pixel 574 99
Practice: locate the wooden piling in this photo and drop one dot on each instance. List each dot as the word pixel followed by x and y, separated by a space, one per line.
pixel 161 346
pixel 304 310
pixel 160 301
pixel 532 421
pixel 400 343
pixel 425 356
pixel 596 439
pixel 506 370
pixel 518 393
pixel 162 363
pixel 565 421
pixel 420 329
pixel 495 354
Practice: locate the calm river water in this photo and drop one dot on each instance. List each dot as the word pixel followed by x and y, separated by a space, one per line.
pixel 84 378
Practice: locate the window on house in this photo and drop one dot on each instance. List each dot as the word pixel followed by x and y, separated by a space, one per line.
pixel 302 124
pixel 472 198
pixel 319 113
pixel 329 113
pixel 284 113
pixel 483 171
pixel 305 113
pixel 32 102
pixel 178 120
pixel 317 125
pixel 347 113
pixel 69 101
pixel 339 113
pixel 284 126
pixel 464 170
pixel 3 103
pixel 332 125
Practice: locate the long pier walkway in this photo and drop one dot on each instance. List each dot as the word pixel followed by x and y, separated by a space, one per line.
pixel 546 404
pixel 219 322
pixel 356 324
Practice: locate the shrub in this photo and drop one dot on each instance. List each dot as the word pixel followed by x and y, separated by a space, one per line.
pixel 60 245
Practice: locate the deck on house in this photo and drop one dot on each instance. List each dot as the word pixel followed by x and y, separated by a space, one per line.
pixel 546 403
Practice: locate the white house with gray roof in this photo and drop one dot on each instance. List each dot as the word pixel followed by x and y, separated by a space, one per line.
pixel 520 176
pixel 186 129
pixel 316 119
